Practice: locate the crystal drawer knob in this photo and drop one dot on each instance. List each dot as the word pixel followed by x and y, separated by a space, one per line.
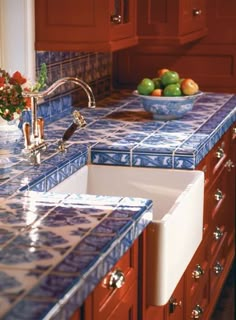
pixel 197 312
pixel 197 272
pixel 229 165
pixel 218 268
pixel 220 153
pixel 218 195
pixel 218 234
pixel 117 279
pixel 116 19
pixel 197 12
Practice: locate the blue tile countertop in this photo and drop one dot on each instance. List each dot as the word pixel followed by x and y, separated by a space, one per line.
pixel 55 248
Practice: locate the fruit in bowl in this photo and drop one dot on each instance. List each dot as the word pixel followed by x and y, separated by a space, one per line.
pixel 168 96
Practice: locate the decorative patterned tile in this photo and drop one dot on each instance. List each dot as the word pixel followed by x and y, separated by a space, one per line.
pixel 28 258
pixel 71 241
pixel 17 283
pixel 30 309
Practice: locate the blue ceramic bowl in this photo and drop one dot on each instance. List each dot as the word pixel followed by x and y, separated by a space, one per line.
pixel 168 108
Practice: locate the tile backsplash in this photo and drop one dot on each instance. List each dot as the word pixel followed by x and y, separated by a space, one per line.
pixel 92 67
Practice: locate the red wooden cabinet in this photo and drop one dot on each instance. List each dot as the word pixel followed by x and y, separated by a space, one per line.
pixel 90 25
pixel 116 296
pixel 216 252
pixel 198 290
pixel 171 22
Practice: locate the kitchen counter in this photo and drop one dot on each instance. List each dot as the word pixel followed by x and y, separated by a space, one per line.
pixel 55 248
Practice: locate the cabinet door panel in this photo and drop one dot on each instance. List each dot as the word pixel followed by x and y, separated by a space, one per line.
pixel 69 21
pixel 84 25
pixel 127 27
pixel 171 21
pixel 193 16
pixel 127 308
pixel 109 301
pixel 197 307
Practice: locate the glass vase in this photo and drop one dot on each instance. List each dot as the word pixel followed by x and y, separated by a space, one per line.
pixel 10 134
pixel 9 131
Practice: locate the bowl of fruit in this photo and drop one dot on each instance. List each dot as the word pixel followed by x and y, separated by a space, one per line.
pixel 168 96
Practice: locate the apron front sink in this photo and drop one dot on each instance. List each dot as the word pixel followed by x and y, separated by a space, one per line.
pixel 176 229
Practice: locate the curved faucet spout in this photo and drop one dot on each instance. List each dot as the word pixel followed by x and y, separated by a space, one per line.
pixel 58 83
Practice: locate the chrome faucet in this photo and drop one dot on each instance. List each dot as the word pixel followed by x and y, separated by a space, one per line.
pixel 34 134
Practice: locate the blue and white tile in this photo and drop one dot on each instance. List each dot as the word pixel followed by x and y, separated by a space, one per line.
pixel 17 283
pixel 28 258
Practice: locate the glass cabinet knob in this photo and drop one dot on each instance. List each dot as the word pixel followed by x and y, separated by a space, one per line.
pixel 218 268
pixel 116 19
pixel 218 234
pixel 197 312
pixel 220 153
pixel 197 272
pixel 197 12
pixel 218 195
pixel 117 279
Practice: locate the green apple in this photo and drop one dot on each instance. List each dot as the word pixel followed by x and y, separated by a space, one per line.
pixel 170 77
pixel 172 90
pixel 146 86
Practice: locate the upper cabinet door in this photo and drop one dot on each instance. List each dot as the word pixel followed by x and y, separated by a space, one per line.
pixel 91 25
pixel 171 21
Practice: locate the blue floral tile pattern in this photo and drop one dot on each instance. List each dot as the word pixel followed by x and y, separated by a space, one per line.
pixel 55 248
pixel 67 240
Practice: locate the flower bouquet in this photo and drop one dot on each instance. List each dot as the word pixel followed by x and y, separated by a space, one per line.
pixel 12 89
pixel 13 101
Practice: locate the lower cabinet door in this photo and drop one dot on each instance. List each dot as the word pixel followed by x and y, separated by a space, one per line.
pixel 196 308
pixel 116 296
pixel 127 308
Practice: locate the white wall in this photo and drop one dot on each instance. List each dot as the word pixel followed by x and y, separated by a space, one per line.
pixel 17 34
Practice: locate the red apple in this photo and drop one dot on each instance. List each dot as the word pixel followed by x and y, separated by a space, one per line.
pixel 189 86
pixel 156 93
pixel 160 72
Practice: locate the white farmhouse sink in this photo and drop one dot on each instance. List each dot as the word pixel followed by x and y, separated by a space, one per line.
pixel 176 229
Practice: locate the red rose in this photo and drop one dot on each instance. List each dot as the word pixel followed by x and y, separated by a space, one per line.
pixel 2 82
pixel 18 78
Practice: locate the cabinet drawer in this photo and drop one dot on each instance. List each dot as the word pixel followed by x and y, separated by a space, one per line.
pixel 219 155
pixel 193 15
pixel 218 234
pixel 126 309
pixel 217 267
pixel 197 271
pixel 215 198
pixel 196 307
pixel 107 296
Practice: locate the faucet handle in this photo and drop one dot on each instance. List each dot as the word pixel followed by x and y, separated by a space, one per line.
pixel 40 122
pixel 78 119
pixel 26 132
pixel 78 122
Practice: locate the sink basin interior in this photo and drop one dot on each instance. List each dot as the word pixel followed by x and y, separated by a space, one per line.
pixel 176 229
